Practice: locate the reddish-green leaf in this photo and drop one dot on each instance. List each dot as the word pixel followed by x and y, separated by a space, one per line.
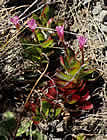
pixel 62 61
pixel 39 35
pixel 45 15
pixel 70 91
pixel 87 106
pixel 63 76
pixel 58 111
pixel 74 99
pixel 48 43
pixel 83 87
pixel 85 97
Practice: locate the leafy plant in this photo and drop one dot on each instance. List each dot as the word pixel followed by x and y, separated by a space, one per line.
pixel 26 129
pixel 67 90
pixel 80 137
pixel 70 83
pixel 7 126
pixel 43 40
pixel 44 111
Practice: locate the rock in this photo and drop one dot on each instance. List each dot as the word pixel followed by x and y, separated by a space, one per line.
pixel 102 15
pixel 97 9
pixel 1 2
pixel 104 28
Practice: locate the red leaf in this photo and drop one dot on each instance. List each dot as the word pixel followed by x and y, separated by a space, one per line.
pixel 27 105
pixel 83 87
pixel 36 122
pixel 62 89
pixel 33 107
pixel 70 85
pixel 51 83
pixel 50 96
pixel 62 61
pixel 52 90
pixel 85 97
pixel 72 91
pixel 60 82
pixel 75 97
pixel 50 21
pixel 87 107
pixel 80 84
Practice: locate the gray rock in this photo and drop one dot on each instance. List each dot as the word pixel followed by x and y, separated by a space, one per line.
pixel 1 2
pixel 102 15
pixel 97 9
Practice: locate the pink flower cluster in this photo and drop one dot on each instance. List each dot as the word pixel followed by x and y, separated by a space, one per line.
pixel 15 21
pixel 31 23
pixel 82 41
pixel 60 30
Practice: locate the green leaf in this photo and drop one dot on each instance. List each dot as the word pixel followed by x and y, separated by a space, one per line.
pixel 36 118
pixel 39 36
pixel 70 53
pixel 8 115
pixel 47 43
pixel 58 111
pixel 8 125
pixel 63 76
pixel 4 137
pixel 37 135
pixel 66 64
pixel 81 137
pixel 74 69
pixel 45 107
pixel 3 132
pixel 24 127
pixel 60 82
pixel 35 58
pixel 31 51
pixel 38 49
pixel 36 17
pixel 84 74
pixel 45 15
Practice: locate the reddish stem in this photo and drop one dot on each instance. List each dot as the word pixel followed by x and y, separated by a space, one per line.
pixel 82 51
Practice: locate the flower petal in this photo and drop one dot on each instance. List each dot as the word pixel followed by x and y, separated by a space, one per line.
pixel 32 24
pixel 60 32
pixel 82 41
pixel 15 20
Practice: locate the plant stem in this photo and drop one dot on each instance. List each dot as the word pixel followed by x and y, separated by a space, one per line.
pixel 82 51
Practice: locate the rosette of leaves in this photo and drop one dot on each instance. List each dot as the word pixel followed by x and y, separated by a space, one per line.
pixel 44 40
pixel 70 84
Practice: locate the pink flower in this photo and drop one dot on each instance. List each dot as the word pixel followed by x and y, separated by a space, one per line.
pixel 15 21
pixel 82 40
pixel 49 21
pixel 60 32
pixel 32 24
